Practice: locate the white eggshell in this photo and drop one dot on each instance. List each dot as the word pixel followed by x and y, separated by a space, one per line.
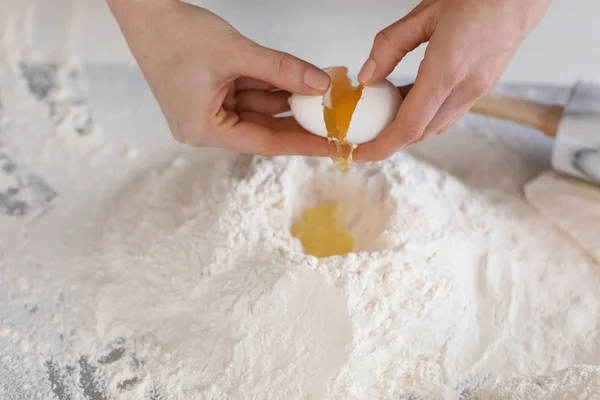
pixel 375 110
pixel 308 111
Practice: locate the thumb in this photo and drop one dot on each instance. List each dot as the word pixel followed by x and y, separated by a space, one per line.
pixel 283 70
pixel 394 42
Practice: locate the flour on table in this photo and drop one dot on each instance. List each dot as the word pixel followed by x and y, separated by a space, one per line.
pixel 198 290
pixel 578 382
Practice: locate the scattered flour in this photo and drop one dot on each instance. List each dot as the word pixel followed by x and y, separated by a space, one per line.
pixel 578 382
pixel 196 290
pixel 197 279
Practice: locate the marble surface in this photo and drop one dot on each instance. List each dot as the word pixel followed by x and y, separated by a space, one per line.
pixel 577 145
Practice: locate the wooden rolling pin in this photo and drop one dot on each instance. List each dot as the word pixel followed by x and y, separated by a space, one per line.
pixel 575 127
pixel 543 117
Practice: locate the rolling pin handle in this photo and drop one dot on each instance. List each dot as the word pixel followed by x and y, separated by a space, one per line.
pixel 545 118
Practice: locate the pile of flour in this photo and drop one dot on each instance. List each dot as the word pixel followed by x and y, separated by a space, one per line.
pixel 197 289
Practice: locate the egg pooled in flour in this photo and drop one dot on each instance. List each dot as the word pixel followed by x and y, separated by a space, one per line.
pixel 347 113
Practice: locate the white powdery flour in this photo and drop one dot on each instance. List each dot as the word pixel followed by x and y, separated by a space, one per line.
pixel 198 290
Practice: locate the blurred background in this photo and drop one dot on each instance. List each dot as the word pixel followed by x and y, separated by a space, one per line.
pixel 564 47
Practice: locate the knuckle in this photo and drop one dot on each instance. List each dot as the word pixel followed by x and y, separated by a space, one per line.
pixel 195 134
pixel 283 64
pixel 175 131
pixel 452 77
pixel 423 29
pixel 383 39
pixel 421 24
pixel 194 140
pixel 177 136
pixel 481 85
pixel 455 72
pixel 442 130
pixel 412 133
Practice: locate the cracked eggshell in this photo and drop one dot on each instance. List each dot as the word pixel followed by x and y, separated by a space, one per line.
pixel 375 110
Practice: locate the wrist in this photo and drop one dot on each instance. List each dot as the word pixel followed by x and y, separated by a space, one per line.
pixel 125 7
pixel 136 16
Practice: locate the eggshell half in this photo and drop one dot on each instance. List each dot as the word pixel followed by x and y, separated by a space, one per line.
pixel 375 110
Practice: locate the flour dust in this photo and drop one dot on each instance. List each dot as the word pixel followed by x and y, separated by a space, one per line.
pixel 199 285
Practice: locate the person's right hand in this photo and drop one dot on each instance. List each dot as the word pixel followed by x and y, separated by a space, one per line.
pixel 471 42
pixel 216 87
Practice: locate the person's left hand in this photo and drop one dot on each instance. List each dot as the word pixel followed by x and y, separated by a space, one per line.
pixel 470 44
pixel 216 87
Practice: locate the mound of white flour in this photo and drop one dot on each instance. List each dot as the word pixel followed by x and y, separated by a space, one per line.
pixel 198 286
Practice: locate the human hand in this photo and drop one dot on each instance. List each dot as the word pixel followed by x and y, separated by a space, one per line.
pixel 470 45
pixel 216 87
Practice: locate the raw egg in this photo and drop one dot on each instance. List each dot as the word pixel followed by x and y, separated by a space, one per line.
pixel 347 115
pixel 322 231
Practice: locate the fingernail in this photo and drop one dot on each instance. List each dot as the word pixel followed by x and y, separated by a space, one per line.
pixel 316 79
pixel 367 71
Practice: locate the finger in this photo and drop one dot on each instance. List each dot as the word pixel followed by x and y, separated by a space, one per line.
pixel 282 70
pixel 262 101
pixel 453 109
pixel 460 101
pixel 416 112
pixel 245 83
pixel 394 42
pixel 277 124
pixel 265 135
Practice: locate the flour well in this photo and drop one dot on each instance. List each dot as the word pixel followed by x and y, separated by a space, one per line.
pixel 198 282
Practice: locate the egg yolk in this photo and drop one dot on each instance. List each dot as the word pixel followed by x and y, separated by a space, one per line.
pixel 322 231
pixel 337 113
